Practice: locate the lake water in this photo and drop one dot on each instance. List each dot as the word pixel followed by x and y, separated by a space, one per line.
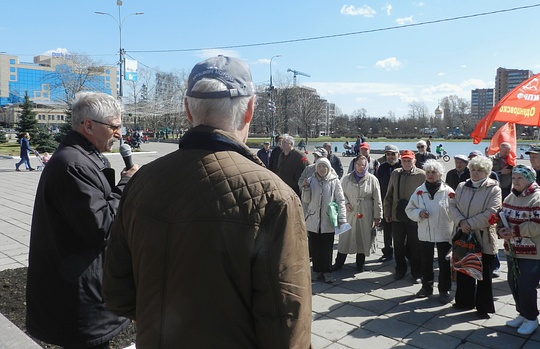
pixel 453 148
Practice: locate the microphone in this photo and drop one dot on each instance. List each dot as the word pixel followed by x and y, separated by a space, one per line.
pixel 125 151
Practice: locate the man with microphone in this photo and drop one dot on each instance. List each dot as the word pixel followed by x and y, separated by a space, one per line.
pixel 75 206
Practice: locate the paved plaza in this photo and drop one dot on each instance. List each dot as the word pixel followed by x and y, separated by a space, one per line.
pixel 360 310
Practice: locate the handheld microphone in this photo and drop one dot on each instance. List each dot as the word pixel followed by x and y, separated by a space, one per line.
pixel 125 151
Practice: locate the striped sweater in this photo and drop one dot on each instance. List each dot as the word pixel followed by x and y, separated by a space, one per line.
pixel 523 215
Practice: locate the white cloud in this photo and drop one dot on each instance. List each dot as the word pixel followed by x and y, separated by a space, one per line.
pixel 443 88
pixel 464 66
pixel 474 83
pixel 204 54
pixel 388 9
pixel 441 74
pixel 405 20
pixel 351 10
pixel 419 4
pixel 390 64
pixel 57 50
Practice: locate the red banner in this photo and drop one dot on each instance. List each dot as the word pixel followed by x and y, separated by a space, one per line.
pixel 507 133
pixel 518 106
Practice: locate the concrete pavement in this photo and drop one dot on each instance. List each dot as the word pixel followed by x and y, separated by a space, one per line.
pixel 360 310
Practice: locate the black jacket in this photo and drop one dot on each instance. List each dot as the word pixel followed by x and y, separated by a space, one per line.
pixel 383 175
pixel 453 179
pixel 74 209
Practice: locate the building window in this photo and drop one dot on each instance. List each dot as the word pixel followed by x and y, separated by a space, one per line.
pixel 108 71
pixel 12 69
pixel 11 61
pixel 12 78
pixel 108 78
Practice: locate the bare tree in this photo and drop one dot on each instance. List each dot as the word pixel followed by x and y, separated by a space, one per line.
pixel 308 110
pixel 457 112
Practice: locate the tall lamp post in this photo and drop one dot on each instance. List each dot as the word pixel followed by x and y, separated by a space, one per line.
pixel 272 104
pixel 120 23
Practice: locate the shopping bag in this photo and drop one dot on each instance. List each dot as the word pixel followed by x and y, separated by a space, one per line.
pixel 467 255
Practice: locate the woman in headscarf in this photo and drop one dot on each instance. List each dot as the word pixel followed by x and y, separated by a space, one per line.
pixel 429 207
pixel 364 212
pixel 322 188
pixel 522 238
pixel 475 203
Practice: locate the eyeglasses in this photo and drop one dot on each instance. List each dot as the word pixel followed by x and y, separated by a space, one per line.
pixel 420 146
pixel 114 128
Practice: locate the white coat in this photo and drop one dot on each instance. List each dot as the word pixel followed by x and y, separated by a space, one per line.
pixel 365 198
pixel 439 226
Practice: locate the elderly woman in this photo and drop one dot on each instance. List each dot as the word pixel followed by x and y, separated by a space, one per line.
pixel 522 238
pixel 429 207
pixel 475 202
pixel 322 188
pixel 364 211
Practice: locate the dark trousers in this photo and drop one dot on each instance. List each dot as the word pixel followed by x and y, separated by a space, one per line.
pixel 405 235
pixel 524 293
pixel 388 250
pixel 322 246
pixel 472 293
pixel 426 265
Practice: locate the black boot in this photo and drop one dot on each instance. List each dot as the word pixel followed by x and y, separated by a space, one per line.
pixel 340 260
pixel 360 260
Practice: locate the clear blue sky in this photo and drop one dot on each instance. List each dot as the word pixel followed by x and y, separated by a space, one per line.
pixel 380 71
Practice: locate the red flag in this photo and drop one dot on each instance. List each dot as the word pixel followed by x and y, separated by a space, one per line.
pixel 507 133
pixel 519 106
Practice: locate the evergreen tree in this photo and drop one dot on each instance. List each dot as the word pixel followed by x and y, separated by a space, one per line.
pixel 28 121
pixel 66 127
pixel 3 138
pixel 44 141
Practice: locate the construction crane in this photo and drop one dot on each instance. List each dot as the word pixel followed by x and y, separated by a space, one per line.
pixel 296 72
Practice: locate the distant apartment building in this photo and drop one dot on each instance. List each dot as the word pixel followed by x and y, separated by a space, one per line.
pixel 508 79
pixel 46 81
pixel 482 101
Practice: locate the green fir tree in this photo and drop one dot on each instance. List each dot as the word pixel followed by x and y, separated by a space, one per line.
pixel 64 128
pixel 27 122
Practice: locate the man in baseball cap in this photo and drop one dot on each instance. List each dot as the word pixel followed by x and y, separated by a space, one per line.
pixel 534 158
pixel 403 182
pixel 389 162
pixel 460 173
pixel 215 186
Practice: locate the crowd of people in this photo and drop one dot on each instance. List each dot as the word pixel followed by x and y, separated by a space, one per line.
pixel 103 253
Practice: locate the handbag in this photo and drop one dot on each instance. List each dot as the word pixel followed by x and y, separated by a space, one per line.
pixel 467 254
pixel 333 213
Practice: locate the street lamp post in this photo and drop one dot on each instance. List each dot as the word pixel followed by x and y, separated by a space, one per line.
pixel 273 111
pixel 120 23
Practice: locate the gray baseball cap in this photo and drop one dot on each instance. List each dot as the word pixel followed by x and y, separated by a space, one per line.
pixel 231 71
pixel 391 148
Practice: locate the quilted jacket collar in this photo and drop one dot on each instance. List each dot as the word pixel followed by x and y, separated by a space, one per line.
pixel 214 140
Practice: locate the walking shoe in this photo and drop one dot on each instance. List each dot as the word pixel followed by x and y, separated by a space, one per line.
pixel 496 273
pixel 31 169
pixel 482 315
pixel 17 170
pixel 316 276
pixel 528 326
pixel 516 322
pixel 444 298
pixel 328 278
pixel 423 293
pixel 385 258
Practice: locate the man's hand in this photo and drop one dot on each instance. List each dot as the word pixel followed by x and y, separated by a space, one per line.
pixel 130 172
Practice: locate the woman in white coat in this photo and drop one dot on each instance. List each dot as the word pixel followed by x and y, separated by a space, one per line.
pixel 364 211
pixel 318 191
pixel 429 206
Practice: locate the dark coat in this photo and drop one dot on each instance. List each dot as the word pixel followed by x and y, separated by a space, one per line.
pixel 210 251
pixel 453 179
pixel 74 209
